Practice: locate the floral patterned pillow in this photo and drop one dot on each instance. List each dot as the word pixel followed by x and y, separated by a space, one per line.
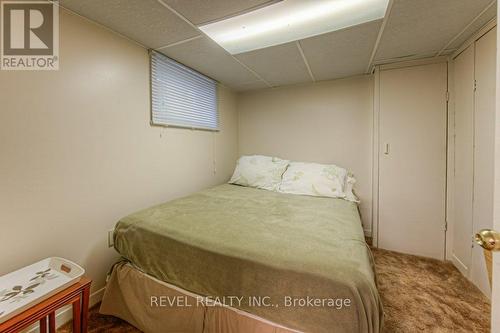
pixel 259 171
pixel 349 189
pixel 320 180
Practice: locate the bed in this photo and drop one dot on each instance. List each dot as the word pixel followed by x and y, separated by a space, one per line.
pixel 298 263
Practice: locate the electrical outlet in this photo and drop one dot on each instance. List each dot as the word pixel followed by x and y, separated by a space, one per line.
pixel 111 241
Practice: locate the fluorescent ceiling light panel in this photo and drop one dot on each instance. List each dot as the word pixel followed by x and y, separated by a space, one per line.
pixel 291 20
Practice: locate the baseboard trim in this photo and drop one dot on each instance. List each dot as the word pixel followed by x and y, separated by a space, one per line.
pixel 65 314
pixel 460 265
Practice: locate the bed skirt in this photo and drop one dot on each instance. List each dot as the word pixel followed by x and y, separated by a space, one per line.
pixel 154 306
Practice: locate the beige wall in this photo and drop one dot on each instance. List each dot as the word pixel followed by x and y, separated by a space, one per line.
pixel 78 153
pixel 326 122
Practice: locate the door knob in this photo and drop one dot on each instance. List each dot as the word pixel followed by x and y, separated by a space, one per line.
pixel 488 239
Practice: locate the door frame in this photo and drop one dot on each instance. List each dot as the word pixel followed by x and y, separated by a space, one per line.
pixel 495 293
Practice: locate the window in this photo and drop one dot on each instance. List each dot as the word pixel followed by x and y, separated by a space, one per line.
pixel 180 96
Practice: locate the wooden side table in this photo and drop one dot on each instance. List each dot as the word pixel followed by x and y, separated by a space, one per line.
pixel 77 295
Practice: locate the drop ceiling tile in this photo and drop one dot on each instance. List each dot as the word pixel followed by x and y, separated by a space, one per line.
pixel 341 53
pixel 279 65
pixel 409 58
pixel 246 86
pixel 205 56
pixel 146 21
pixel 425 26
pixel 202 11
pixel 478 24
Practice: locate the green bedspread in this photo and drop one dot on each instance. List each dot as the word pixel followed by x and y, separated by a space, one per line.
pixel 303 257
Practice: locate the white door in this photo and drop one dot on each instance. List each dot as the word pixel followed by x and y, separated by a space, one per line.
pixel 495 295
pixel 484 150
pixel 412 161
pixel 464 159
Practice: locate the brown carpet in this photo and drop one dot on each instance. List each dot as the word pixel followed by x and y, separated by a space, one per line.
pixel 419 295
pixel 427 295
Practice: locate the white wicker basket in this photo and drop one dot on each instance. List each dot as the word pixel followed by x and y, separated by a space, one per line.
pixel 32 284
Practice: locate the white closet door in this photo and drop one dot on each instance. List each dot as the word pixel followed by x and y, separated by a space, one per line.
pixel 464 159
pixel 412 161
pixel 484 150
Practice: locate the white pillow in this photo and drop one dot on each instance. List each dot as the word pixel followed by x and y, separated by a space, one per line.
pixel 349 184
pixel 259 171
pixel 314 179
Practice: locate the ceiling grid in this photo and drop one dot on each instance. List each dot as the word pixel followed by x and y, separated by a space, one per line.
pixel 466 27
pixel 178 43
pixel 201 32
pixel 409 30
pixel 305 61
pixel 379 36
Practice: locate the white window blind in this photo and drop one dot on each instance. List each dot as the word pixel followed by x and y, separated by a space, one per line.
pixel 180 96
